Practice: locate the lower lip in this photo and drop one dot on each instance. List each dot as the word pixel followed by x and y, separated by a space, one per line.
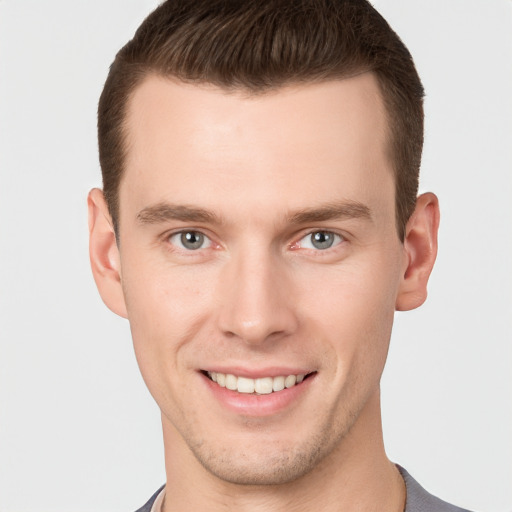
pixel 258 405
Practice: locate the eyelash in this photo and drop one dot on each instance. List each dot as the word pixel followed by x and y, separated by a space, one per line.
pixel 181 233
pixel 338 239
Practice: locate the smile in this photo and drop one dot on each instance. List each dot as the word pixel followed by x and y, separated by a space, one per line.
pixel 259 386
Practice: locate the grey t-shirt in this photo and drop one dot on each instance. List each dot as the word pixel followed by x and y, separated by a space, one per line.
pixel 417 500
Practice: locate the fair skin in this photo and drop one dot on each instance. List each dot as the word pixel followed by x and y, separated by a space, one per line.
pixel 257 238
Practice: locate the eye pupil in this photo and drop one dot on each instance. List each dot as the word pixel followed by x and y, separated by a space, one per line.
pixel 192 240
pixel 322 239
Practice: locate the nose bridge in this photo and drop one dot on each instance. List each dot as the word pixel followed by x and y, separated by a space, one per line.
pixel 254 296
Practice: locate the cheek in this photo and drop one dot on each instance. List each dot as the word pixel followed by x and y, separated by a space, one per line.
pixel 352 294
pixel 166 308
pixel 160 294
pixel 354 310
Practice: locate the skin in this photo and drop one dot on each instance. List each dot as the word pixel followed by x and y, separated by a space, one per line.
pixel 266 172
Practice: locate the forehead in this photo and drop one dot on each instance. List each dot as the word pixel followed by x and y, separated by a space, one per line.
pixel 293 147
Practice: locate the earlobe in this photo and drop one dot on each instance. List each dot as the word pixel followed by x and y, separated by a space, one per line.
pixel 420 250
pixel 104 253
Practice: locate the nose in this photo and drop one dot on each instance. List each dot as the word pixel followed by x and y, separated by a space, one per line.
pixel 256 298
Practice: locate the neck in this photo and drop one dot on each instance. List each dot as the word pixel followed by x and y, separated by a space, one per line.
pixel 356 476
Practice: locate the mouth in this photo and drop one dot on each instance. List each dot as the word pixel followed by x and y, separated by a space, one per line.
pixel 257 386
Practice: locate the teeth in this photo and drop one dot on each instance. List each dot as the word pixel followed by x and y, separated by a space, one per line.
pixel 221 379
pixel 245 385
pixel 261 386
pixel 278 384
pixel 231 382
pixel 290 381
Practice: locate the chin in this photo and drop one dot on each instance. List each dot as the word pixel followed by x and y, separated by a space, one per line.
pixel 266 466
pixel 277 471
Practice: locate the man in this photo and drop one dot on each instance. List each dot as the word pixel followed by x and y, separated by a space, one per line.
pixel 259 226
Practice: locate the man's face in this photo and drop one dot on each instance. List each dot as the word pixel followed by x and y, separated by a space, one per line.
pixel 258 242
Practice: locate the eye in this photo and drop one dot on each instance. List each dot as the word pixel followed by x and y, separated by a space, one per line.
pixel 190 240
pixel 320 240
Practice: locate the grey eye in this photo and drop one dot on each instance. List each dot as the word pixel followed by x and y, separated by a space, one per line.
pixel 190 240
pixel 320 240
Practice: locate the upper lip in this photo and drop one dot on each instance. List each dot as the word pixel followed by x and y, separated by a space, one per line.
pixel 254 373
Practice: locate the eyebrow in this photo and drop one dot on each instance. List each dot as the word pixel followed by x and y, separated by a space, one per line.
pixel 332 211
pixel 163 212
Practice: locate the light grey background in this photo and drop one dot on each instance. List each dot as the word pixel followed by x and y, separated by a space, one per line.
pixel 79 431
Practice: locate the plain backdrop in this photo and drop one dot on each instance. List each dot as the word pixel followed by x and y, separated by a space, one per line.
pixel 78 430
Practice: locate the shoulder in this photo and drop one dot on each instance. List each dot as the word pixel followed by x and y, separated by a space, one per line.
pixel 419 500
pixel 147 507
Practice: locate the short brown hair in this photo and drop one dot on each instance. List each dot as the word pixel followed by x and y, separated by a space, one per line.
pixel 259 45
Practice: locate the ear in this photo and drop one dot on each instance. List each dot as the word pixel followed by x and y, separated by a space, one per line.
pixel 104 253
pixel 420 249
